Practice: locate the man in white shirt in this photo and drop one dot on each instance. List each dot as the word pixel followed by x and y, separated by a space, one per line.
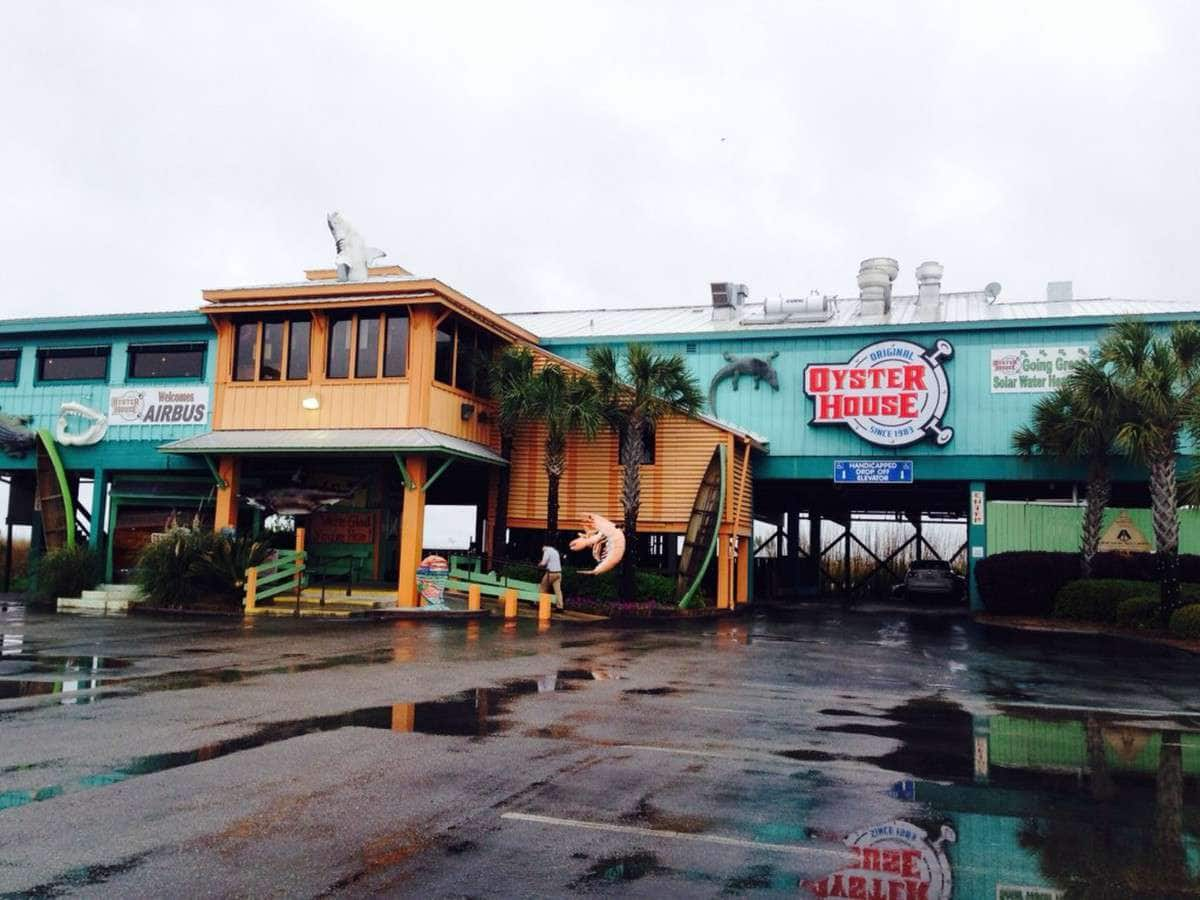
pixel 552 580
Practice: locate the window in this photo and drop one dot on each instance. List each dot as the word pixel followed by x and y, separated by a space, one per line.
pixel 339 347
pixel 9 360
pixel 460 355
pixel 465 361
pixel 73 364
pixel 271 366
pixel 299 337
pixel 166 361
pixel 245 349
pixel 366 357
pixel 395 345
pixel 648 441
pixel 443 354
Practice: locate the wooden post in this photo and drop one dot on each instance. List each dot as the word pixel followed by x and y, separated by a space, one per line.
pixel 723 572
pixel 745 561
pixel 251 588
pixel 543 607
pixel 226 509
pixel 473 603
pixel 299 558
pixel 510 604
pixel 412 532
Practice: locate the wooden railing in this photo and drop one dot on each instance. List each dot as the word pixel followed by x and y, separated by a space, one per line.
pixel 281 575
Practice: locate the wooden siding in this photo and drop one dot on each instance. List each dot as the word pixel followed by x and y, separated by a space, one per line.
pixel 741 487
pixel 344 404
pixel 445 415
pixel 592 481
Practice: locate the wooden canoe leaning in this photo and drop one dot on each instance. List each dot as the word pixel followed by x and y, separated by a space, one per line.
pixel 54 495
pixel 700 540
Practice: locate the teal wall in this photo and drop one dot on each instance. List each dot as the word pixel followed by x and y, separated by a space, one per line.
pixel 124 447
pixel 983 422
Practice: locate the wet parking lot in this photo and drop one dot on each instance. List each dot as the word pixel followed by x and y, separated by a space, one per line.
pixel 828 753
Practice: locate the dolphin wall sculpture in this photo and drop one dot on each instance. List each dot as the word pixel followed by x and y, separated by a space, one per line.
pixel 757 368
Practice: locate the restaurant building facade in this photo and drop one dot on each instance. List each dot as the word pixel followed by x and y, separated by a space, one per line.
pixel 357 403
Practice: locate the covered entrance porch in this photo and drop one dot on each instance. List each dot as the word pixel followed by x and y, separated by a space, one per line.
pixel 360 494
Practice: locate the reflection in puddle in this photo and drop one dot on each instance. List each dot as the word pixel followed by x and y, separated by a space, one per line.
pixel 627 867
pixel 474 713
pixel 1035 802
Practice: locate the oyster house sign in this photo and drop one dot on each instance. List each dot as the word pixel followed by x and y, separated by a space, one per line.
pixel 891 393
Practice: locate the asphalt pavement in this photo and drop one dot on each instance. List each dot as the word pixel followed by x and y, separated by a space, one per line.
pixel 826 752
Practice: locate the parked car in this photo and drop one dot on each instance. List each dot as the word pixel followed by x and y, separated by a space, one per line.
pixel 931 579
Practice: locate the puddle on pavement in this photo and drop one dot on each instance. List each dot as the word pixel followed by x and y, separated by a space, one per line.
pixel 1025 802
pixel 627 867
pixel 475 713
pixel 652 692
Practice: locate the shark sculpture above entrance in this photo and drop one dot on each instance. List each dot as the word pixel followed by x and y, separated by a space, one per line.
pixel 756 367
pixel 354 257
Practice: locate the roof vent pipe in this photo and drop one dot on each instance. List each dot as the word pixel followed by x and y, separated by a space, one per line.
pixel 929 288
pixel 875 277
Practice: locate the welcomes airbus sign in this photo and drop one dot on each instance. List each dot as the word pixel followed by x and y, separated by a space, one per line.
pixel 891 393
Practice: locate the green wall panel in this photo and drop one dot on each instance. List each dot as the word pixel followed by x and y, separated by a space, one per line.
pixel 1044 526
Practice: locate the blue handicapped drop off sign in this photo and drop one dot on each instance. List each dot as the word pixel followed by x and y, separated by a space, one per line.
pixel 873 471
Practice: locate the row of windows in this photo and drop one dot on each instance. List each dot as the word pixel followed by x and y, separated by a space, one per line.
pixel 362 345
pixel 145 361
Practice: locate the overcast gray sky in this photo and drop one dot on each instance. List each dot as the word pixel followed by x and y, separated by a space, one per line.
pixel 569 155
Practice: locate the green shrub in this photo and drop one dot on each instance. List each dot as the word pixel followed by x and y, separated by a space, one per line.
pixel 187 568
pixel 653 586
pixel 1139 613
pixel 229 558
pixel 66 573
pixel 1185 621
pixel 1095 599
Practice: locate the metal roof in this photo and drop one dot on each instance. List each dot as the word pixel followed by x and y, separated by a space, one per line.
pixel 333 440
pixel 104 322
pixel 319 282
pixel 963 308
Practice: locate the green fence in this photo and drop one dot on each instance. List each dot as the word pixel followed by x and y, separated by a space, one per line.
pixel 1050 526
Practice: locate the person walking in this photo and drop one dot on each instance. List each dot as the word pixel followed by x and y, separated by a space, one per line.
pixel 552 580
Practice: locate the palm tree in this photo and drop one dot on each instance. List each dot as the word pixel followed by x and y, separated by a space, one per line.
pixel 1158 378
pixel 510 380
pixel 563 403
pixel 634 398
pixel 1079 422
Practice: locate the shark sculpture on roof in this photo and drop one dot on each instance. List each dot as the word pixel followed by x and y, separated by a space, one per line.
pixel 354 257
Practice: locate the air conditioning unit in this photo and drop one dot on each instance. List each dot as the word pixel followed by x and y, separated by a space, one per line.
pixel 728 294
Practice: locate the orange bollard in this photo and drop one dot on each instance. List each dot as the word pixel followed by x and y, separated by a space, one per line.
pixel 510 603
pixel 473 600
pixel 543 607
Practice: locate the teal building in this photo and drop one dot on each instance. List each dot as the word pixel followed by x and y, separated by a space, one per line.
pixel 847 444
pixel 91 399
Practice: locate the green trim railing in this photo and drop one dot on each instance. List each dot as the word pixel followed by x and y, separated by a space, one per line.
pixel 284 574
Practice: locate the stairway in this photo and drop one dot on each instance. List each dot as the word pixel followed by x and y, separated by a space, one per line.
pixel 105 598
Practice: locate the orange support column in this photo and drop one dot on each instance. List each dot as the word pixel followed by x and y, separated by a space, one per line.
pixel 412 531
pixel 744 562
pixel 723 573
pixel 226 511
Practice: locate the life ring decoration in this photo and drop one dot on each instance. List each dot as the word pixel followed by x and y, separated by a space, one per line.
pixel 91 434
pixel 891 393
